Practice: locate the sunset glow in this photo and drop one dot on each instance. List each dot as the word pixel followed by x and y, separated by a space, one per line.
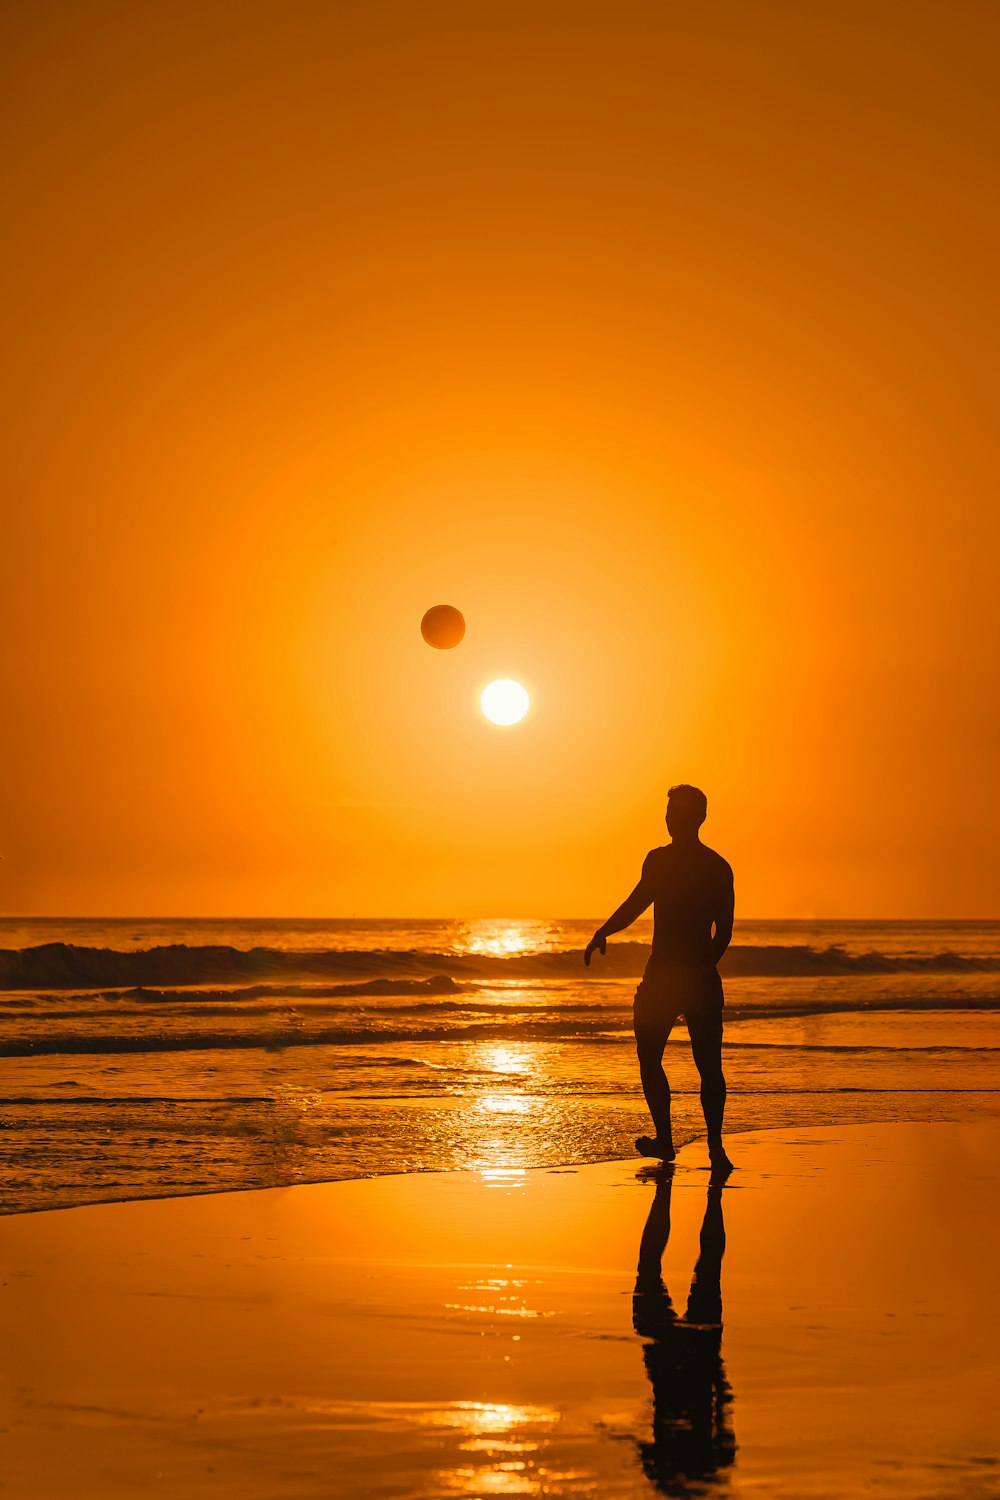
pixel 657 407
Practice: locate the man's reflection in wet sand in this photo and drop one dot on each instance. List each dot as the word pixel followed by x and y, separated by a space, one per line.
pixel 692 1399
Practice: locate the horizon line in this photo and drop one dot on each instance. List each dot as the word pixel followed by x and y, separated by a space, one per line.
pixel 419 917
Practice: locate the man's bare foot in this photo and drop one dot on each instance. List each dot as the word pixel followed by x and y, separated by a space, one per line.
pixel 647 1145
pixel 720 1163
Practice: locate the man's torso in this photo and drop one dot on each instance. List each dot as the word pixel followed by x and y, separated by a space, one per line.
pixel 692 889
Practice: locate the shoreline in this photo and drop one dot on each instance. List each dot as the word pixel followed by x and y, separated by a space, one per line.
pixel 460 1333
pixel 978 1104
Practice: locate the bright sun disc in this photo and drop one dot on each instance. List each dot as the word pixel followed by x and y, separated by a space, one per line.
pixel 504 701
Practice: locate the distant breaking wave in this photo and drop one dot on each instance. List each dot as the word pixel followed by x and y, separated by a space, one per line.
pixel 53 966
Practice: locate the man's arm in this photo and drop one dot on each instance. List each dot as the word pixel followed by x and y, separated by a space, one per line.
pixel 633 906
pixel 723 934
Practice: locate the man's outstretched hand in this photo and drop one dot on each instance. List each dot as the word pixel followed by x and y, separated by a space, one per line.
pixel 597 941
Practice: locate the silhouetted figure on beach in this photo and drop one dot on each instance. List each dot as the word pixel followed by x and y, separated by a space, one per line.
pixel 690 888
pixel 692 1436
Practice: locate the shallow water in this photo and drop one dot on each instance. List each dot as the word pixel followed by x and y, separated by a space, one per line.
pixel 171 1056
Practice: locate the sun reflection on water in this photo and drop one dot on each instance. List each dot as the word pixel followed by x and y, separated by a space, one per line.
pixel 504 939
pixel 506 1104
pixel 498 1059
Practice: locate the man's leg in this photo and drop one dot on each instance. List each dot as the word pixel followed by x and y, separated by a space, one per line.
pixel 652 1021
pixel 649 1047
pixel 705 1030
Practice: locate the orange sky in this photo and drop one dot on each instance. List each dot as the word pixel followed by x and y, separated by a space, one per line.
pixel 660 338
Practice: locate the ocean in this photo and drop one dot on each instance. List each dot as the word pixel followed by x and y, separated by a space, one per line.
pixel 140 1058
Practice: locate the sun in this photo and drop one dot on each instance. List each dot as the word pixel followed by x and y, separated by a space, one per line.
pixel 504 701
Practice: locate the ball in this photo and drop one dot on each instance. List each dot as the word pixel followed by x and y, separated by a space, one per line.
pixel 442 627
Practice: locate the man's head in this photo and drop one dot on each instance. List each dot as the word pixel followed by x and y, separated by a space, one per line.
pixel 686 810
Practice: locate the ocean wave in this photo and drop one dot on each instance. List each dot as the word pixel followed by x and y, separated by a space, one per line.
pixel 124 1101
pixel 277 1039
pixel 52 966
pixel 197 1006
pixel 604 1025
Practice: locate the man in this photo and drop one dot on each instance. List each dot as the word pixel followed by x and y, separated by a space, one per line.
pixel 691 891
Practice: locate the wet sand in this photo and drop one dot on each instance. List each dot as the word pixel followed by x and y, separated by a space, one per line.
pixel 474 1334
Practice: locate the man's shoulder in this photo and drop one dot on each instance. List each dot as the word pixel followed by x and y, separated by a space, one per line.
pixel 721 866
pixel 664 856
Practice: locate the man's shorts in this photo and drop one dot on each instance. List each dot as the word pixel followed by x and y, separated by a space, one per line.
pixel 668 991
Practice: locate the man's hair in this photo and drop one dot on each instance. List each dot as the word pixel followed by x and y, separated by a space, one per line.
pixel 690 801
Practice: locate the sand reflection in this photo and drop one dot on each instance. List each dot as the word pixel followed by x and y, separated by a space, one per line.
pixel 692 1437
pixel 503 1439
pixel 503 1175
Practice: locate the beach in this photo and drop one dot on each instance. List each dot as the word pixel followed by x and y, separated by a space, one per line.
pixel 498 1332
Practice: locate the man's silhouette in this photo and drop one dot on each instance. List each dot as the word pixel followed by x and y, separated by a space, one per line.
pixel 690 888
pixel 692 1399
